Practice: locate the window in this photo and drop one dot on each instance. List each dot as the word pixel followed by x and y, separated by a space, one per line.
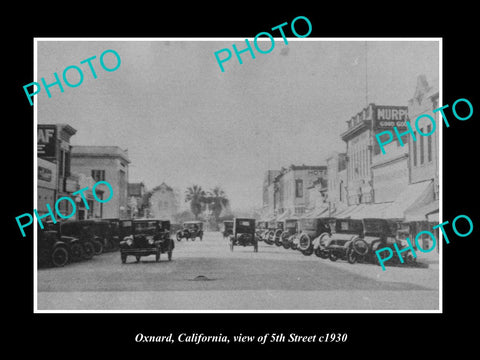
pixel 422 150
pixel 414 144
pixel 299 188
pixel 98 175
pixel 429 144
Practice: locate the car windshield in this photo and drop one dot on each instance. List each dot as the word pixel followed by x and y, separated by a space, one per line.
pixel 291 224
pixel 349 226
pixel 145 226
pixel 308 224
pixel 374 227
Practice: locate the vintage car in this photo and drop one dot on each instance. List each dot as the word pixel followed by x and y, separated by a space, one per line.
pixel 269 235
pixel 52 249
pixel 261 229
pixel 289 232
pixel 243 234
pixel 191 230
pixel 402 232
pixel 358 240
pixel 227 228
pixel 145 237
pixel 81 242
pixel 111 234
pixel 319 242
pixel 309 229
pixel 84 230
pixel 278 233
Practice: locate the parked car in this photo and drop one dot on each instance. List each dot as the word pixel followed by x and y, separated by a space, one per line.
pixel 112 235
pixel 191 230
pixel 79 237
pixel 243 234
pixel 289 232
pixel 308 231
pixel 402 232
pixel 320 241
pixel 269 235
pixel 144 237
pixel 84 230
pixel 261 229
pixel 358 240
pixel 52 250
pixel 227 228
pixel 278 233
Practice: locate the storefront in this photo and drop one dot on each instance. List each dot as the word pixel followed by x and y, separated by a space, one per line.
pixel 46 185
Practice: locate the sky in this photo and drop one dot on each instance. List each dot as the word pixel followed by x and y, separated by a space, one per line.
pixel 185 122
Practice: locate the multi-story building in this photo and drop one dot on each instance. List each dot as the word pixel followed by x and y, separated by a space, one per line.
pixel 290 188
pixel 268 208
pixel 164 203
pixel 337 182
pixel 105 163
pixel 425 151
pixel 54 169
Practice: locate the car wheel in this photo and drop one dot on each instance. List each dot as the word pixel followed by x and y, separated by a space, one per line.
pixel 88 250
pixel 307 252
pixel 124 258
pixel 351 256
pixel 59 256
pixel 76 252
pixel 321 253
pixel 332 257
pixel 98 247
pixel 285 243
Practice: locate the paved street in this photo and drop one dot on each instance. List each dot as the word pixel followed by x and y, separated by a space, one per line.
pixel 207 276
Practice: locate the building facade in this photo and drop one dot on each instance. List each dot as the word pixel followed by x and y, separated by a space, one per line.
pixel 164 202
pixel 337 181
pixel 290 188
pixel 268 191
pixel 136 200
pixel 105 163
pixel 54 179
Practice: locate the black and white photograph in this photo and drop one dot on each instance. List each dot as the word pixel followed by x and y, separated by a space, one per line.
pixel 185 179
pixel 226 181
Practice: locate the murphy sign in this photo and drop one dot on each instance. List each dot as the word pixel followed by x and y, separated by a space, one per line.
pixel 390 116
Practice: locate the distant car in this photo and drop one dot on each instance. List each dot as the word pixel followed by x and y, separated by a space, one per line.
pixel 243 234
pixel 289 232
pixel 191 230
pixel 309 230
pixel 227 228
pixel 145 237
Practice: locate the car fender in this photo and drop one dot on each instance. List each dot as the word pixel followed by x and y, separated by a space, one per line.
pixel 317 242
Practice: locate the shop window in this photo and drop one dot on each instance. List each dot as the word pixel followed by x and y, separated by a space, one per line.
pixel 429 144
pixel 414 145
pixel 299 188
pixel 422 150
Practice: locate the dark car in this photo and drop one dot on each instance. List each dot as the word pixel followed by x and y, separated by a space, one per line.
pixel 52 250
pixel 111 234
pixel 84 230
pixel 309 229
pixel 79 237
pixel 145 237
pixel 191 230
pixel 227 228
pixel 289 232
pixel 339 245
pixel 244 234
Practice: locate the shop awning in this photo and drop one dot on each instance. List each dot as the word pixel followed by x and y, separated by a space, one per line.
pixel 414 196
pixel 427 212
pixel 346 213
pixel 316 213
pixel 371 211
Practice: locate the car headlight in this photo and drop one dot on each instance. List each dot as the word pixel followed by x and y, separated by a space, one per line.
pixel 151 241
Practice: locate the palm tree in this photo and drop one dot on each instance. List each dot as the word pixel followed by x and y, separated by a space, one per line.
pixel 217 200
pixel 196 195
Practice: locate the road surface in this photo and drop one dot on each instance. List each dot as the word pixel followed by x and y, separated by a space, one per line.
pixel 207 276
